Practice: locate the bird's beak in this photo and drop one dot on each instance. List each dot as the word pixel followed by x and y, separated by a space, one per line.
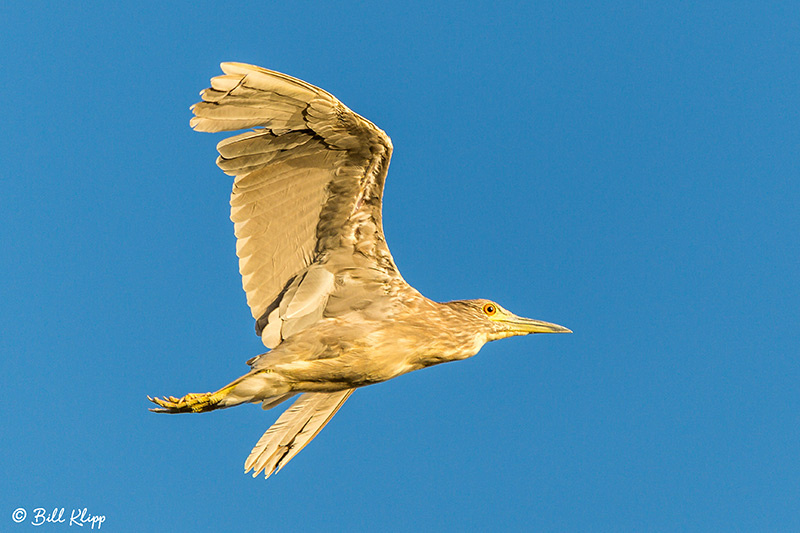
pixel 523 326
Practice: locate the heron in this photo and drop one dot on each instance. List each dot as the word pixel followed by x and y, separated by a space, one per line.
pixel 327 298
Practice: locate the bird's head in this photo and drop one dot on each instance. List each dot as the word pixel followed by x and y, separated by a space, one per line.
pixel 498 323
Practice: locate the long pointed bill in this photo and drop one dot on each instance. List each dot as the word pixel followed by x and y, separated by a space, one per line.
pixel 523 326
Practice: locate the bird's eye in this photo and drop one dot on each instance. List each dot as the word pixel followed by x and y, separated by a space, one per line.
pixel 490 309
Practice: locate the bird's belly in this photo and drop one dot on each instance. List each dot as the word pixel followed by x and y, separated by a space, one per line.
pixel 344 372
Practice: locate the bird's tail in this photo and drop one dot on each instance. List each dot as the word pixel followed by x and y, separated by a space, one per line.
pixel 255 386
pixel 295 428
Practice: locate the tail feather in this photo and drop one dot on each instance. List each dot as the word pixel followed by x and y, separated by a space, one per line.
pixel 295 428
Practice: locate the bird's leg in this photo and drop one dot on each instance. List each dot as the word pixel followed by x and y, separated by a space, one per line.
pixel 255 386
pixel 194 402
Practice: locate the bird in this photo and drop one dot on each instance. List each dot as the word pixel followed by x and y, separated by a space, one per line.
pixel 326 295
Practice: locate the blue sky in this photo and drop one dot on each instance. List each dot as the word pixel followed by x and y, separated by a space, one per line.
pixel 629 171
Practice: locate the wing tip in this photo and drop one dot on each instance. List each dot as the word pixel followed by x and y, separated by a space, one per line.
pixel 232 65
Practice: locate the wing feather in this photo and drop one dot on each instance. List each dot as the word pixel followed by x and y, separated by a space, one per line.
pixel 293 430
pixel 308 182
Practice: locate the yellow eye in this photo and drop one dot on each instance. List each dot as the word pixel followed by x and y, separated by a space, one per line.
pixel 490 309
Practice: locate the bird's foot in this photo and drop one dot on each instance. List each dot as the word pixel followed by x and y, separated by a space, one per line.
pixel 191 403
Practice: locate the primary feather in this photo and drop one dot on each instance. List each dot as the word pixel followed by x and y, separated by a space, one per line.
pixel 293 430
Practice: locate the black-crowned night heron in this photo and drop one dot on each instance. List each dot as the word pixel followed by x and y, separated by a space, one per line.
pixel 326 295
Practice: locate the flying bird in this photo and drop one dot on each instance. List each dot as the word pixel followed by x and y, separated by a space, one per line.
pixel 326 295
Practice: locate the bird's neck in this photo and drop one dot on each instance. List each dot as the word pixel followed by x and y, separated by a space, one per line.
pixel 447 335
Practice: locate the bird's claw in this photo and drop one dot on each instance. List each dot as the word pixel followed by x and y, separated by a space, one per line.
pixel 192 402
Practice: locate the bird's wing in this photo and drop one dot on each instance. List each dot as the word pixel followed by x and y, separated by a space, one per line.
pixel 295 428
pixel 308 186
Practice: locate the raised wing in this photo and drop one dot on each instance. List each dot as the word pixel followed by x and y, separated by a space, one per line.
pixel 308 187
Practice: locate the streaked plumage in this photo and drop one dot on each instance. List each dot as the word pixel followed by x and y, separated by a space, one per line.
pixel 320 281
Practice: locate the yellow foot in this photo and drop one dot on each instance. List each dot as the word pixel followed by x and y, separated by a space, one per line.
pixel 191 403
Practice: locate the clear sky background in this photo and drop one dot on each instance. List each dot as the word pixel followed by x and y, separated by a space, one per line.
pixel 630 171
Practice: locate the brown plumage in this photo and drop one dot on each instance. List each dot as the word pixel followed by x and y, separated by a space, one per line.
pixel 320 280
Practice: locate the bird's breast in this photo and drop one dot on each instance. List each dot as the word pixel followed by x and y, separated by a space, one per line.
pixel 344 354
